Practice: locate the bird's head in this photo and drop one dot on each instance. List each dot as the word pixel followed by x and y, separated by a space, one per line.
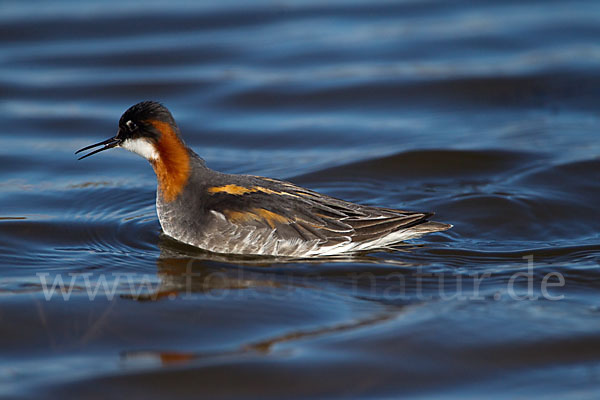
pixel 142 128
pixel 148 129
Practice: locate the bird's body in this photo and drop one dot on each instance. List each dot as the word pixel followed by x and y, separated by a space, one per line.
pixel 244 214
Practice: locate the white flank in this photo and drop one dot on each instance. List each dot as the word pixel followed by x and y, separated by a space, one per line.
pixel 141 146
pixel 379 243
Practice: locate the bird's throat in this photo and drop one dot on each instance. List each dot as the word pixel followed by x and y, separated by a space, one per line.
pixel 172 167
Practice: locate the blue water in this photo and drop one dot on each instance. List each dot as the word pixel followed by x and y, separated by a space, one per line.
pixel 484 112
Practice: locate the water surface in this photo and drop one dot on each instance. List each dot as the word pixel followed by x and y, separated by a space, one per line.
pixel 486 113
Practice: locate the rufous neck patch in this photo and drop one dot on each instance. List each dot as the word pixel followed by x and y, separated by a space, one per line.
pixel 172 167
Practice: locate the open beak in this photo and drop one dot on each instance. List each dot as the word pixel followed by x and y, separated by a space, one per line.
pixel 108 144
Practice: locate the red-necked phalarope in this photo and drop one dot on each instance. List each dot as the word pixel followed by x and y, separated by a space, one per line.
pixel 244 214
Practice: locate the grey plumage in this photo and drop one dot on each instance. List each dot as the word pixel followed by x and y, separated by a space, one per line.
pixel 255 215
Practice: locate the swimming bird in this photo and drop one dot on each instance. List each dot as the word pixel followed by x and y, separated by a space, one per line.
pixel 246 214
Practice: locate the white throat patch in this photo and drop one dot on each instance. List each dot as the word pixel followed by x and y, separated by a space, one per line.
pixel 140 146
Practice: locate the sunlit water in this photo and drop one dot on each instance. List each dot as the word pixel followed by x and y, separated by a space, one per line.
pixel 485 113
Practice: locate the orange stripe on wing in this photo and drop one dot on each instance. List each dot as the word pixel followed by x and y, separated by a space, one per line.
pixel 240 216
pixel 270 217
pixel 256 214
pixel 237 190
pixel 231 189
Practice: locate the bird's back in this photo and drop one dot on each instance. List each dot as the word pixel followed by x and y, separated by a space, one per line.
pixel 242 214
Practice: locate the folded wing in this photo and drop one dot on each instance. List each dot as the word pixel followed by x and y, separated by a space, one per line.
pixel 262 214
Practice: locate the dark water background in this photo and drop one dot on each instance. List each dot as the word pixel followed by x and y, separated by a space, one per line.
pixel 484 112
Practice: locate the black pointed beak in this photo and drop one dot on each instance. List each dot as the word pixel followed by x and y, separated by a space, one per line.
pixel 108 144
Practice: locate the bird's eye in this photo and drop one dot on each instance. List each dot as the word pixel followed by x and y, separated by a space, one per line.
pixel 131 125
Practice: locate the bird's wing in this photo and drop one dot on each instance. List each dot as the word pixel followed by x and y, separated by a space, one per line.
pixel 285 211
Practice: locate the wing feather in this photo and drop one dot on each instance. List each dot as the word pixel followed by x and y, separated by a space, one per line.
pixel 283 212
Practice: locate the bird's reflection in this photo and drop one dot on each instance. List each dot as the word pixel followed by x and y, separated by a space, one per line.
pixel 187 271
pixel 184 270
pixel 266 346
